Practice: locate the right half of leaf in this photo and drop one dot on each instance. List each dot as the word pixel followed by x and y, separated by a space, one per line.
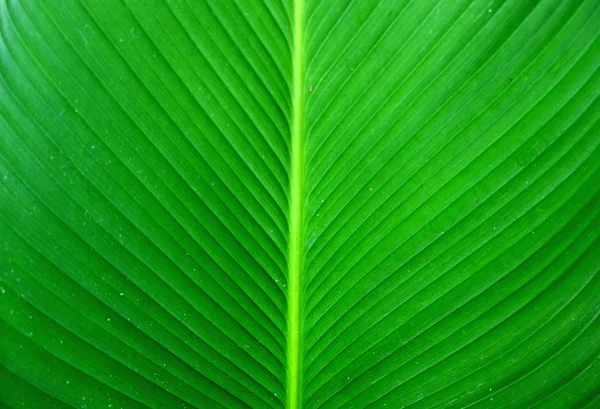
pixel 452 210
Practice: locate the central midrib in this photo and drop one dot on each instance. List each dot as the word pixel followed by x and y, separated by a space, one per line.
pixel 296 239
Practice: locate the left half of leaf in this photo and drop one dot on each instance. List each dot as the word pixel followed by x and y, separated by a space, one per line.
pixel 144 158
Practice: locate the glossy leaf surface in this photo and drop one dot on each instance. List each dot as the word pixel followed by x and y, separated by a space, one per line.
pixel 302 204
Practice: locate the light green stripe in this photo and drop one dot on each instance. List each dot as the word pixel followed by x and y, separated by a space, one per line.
pixel 296 242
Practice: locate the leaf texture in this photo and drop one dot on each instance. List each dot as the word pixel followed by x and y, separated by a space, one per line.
pixel 299 203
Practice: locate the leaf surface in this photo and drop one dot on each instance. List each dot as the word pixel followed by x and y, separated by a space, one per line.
pixel 302 204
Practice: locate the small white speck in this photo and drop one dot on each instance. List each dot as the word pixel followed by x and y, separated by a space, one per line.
pixel 489 10
pixel 121 294
pixel 108 319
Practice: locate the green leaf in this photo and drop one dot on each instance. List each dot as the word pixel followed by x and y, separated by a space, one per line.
pixel 299 204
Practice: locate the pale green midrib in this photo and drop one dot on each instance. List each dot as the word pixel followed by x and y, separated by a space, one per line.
pixel 296 239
